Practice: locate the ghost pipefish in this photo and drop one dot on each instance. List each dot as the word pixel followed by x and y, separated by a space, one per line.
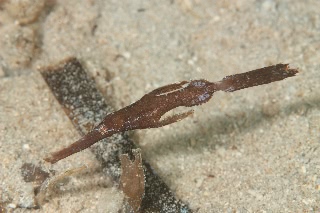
pixel 148 111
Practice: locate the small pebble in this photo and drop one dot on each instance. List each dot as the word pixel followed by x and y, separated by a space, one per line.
pixel 12 206
pixel 127 55
pixel 26 146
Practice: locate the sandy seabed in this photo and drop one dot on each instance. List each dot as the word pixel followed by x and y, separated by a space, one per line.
pixel 255 150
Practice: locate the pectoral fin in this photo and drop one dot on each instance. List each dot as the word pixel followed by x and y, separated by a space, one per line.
pixel 174 118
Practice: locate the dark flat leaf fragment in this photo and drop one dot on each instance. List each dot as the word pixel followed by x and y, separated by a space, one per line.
pixel 132 179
